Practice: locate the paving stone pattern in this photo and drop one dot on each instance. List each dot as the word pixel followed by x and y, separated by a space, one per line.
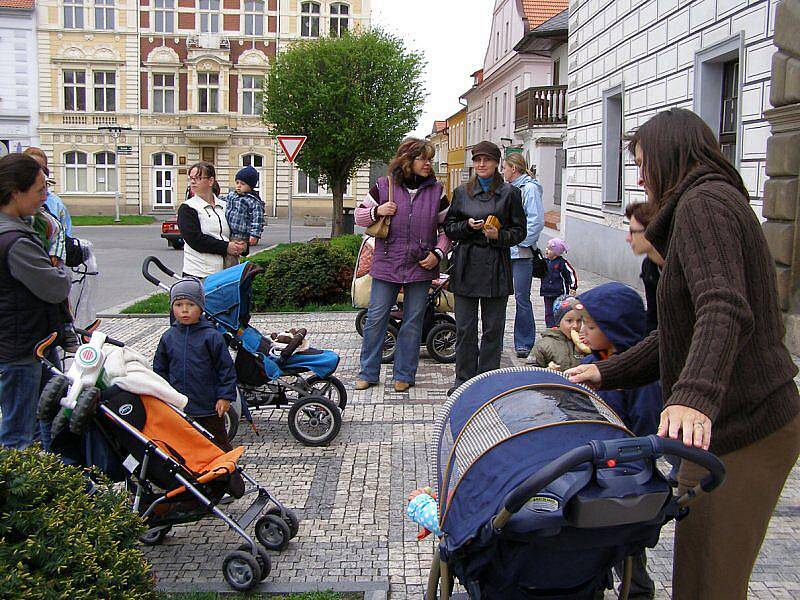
pixel 351 495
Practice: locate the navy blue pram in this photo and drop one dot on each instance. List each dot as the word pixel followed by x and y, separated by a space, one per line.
pixel 542 488
pixel 271 374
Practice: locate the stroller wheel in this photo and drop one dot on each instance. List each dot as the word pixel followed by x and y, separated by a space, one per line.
pixel 389 344
pixel 241 570
pixel 314 420
pixel 84 410
pixel 50 398
pixel 154 536
pixel 330 387
pixel 273 532
pixel 441 343
pixel 291 520
pixel 361 320
pixel 262 558
pixel 60 422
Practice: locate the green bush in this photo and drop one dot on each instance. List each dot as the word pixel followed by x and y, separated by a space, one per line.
pixel 303 274
pixel 57 541
pixel 349 243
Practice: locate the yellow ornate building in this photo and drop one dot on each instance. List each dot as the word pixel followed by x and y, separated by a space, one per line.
pixel 457 131
pixel 186 77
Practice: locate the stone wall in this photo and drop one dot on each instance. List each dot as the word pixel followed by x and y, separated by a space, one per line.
pixel 782 192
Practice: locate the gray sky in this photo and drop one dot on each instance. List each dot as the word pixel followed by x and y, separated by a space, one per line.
pixel 452 34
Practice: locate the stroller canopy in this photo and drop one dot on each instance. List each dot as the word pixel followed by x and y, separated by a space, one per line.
pixel 228 294
pixel 501 427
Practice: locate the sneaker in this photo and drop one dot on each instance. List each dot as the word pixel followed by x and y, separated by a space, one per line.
pixel 523 353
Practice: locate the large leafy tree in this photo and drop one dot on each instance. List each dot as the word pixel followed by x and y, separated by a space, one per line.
pixel 355 97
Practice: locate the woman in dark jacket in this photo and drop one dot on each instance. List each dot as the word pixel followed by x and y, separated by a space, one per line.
pixel 718 349
pixel 481 273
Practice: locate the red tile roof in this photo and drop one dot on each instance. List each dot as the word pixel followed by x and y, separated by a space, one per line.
pixel 23 4
pixel 539 11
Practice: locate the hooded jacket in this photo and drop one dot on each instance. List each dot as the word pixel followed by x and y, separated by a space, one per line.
pixel 559 279
pixel 531 191
pixel 554 346
pixel 619 313
pixel 195 361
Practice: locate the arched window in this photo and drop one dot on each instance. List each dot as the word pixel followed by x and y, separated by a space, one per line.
pixel 309 19
pixel 105 172
pixel 340 19
pixel 163 180
pixel 75 167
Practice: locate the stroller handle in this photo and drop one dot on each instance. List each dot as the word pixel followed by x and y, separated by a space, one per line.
pixel 608 453
pixel 161 267
pixel 86 335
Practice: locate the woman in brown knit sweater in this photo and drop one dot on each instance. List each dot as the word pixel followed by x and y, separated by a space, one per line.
pixel 718 351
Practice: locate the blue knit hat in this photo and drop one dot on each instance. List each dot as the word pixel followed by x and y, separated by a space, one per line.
pixel 249 176
pixel 562 305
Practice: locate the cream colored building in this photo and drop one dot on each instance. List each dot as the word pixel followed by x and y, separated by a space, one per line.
pixel 186 77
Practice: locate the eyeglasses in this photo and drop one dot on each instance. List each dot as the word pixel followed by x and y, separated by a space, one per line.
pixel 424 160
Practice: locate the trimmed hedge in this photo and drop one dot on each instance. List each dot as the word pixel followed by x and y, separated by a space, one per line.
pixel 57 541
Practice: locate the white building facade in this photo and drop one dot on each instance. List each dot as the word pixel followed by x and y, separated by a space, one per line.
pixel 628 60
pixel 18 76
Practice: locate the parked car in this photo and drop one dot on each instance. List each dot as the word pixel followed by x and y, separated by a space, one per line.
pixel 171 233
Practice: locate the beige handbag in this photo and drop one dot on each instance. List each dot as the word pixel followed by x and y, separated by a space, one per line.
pixel 380 228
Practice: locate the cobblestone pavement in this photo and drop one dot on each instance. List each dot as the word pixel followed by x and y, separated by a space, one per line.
pixel 351 495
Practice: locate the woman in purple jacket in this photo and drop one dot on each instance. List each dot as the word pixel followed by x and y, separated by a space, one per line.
pixel 408 258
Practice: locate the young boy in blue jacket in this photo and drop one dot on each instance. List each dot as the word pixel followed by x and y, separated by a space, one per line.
pixel 614 320
pixel 193 357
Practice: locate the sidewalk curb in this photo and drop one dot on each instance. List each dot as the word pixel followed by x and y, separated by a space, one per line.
pixel 372 590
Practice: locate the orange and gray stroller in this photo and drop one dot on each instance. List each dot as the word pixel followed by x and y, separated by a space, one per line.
pixel 173 468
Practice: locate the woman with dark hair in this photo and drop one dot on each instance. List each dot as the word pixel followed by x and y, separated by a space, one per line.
pixel 407 258
pixel 639 216
pixel 201 220
pixel 485 220
pixel 31 292
pixel 718 349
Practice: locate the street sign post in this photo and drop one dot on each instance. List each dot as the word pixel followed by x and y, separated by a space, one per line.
pixel 116 131
pixel 125 150
pixel 291 146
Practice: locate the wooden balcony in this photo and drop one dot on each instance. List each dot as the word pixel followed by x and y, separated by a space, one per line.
pixel 541 107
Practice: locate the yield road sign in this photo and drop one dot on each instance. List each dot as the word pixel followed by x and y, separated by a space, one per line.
pixel 291 144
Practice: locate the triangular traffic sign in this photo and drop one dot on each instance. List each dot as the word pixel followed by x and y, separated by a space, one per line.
pixel 291 144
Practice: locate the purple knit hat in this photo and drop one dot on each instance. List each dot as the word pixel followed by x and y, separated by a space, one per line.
pixel 557 246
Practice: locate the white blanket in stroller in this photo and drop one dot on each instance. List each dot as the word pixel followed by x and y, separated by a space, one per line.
pixel 131 371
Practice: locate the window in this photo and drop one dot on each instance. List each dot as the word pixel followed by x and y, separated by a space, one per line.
pixel 75 169
pixel 505 105
pixel 253 17
pixel 497 47
pixel 257 162
pixel 613 147
pixel 208 92
pixel 163 176
pixel 488 115
pixel 209 16
pixel 495 113
pixel 105 172
pixel 73 14
pixel 104 14
pixel 339 19
pixel 508 35
pixel 556 72
pixel 75 90
pixel 105 91
pixel 306 184
pixel 252 86
pixel 309 19
pixel 730 105
pixel 164 12
pixel 164 93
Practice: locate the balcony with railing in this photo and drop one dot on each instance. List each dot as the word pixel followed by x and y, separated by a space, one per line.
pixel 544 106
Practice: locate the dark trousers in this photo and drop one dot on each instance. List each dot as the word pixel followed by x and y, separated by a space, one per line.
pixel 549 318
pixel 471 361
pixel 215 425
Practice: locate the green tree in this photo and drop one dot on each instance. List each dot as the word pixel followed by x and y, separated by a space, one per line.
pixel 355 97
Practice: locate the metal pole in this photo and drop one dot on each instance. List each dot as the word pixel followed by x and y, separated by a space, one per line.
pixel 115 134
pixel 291 192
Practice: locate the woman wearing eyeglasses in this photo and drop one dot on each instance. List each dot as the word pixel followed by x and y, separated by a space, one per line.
pixel 201 220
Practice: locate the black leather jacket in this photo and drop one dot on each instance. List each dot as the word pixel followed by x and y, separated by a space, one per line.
pixel 482 267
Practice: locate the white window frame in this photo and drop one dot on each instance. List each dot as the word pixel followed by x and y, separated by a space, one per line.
pixel 104 15
pixel 75 86
pixel 252 93
pixel 108 91
pixel 162 90
pixel 77 17
pixel 322 191
pixel 253 17
pixel 165 170
pixel 76 173
pixel 613 120
pixel 709 66
pixel 310 13
pixel 207 87
pixel 340 21
pixel 210 15
pixel 249 160
pixel 164 11
pixel 107 169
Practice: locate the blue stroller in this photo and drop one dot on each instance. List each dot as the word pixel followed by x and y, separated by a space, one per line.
pixel 269 373
pixel 543 490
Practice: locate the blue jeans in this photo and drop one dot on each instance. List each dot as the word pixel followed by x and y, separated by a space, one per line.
pixel 19 396
pixel 524 325
pixel 406 355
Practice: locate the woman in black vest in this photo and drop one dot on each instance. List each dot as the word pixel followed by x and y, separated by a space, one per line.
pixel 31 289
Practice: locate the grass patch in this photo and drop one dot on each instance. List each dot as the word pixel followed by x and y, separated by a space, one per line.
pixel 306 596
pixel 83 220
pixel 158 304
